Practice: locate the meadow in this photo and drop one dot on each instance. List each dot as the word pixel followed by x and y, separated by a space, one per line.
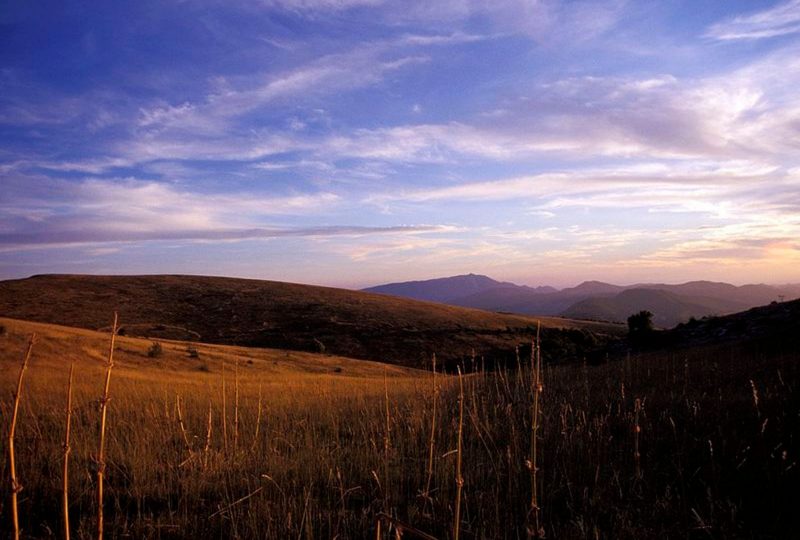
pixel 229 442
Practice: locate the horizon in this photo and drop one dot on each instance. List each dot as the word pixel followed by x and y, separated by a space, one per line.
pixel 371 285
pixel 355 143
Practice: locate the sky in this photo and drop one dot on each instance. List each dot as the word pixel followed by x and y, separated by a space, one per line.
pixel 357 142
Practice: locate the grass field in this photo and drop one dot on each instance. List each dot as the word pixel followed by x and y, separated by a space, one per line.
pixel 339 441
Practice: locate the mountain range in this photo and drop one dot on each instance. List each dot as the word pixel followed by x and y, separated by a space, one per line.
pixel 670 304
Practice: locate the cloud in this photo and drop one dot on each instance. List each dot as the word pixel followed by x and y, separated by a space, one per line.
pixel 58 238
pixel 779 20
pixel 751 112
pixel 679 185
pixel 126 210
pixel 547 22
pixel 305 6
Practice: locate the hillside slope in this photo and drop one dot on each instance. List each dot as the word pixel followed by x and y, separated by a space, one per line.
pixel 56 346
pixel 282 315
pixel 774 326
pixel 668 308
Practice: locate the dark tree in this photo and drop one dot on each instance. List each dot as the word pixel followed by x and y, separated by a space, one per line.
pixel 640 327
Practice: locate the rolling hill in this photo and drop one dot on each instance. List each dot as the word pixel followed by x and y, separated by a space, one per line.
pixel 279 315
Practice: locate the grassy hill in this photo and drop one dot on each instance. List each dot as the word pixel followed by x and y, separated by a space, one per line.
pixel 279 315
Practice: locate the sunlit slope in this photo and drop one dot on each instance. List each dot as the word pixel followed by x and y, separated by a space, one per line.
pixel 56 347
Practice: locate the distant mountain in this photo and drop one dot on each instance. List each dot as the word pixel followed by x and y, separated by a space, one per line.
pixel 667 307
pixel 449 289
pixel 595 299
pixel 592 288
pixel 536 302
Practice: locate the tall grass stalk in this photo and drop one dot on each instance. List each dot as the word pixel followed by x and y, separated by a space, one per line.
pixel 636 430
pixel 224 411
pixel 235 403
pixel 182 426
pixel 258 420
pixel 459 477
pixel 431 445
pixel 386 443
pixel 67 450
pixel 101 463
pixel 207 446
pixel 536 380
pixel 16 487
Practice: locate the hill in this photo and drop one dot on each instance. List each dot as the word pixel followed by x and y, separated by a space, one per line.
pixel 279 315
pixel 450 289
pixel 774 326
pixel 668 308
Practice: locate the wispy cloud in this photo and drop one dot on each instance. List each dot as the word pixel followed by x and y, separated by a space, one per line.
pixel 49 239
pixel 779 20
pixel 126 210
pixel 686 186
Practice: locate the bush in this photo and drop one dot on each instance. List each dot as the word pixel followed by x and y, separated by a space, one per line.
pixel 192 350
pixel 2 330
pixel 155 350
pixel 640 327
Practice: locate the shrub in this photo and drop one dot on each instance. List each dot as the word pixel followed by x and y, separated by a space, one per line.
pixel 155 350
pixel 192 350
pixel 640 327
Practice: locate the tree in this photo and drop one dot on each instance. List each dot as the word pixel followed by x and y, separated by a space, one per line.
pixel 640 327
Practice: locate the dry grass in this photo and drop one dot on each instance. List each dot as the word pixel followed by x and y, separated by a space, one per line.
pixel 711 465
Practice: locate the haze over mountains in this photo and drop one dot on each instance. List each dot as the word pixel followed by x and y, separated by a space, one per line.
pixel 670 304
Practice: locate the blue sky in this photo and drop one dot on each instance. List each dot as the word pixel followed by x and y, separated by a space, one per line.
pixel 354 142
